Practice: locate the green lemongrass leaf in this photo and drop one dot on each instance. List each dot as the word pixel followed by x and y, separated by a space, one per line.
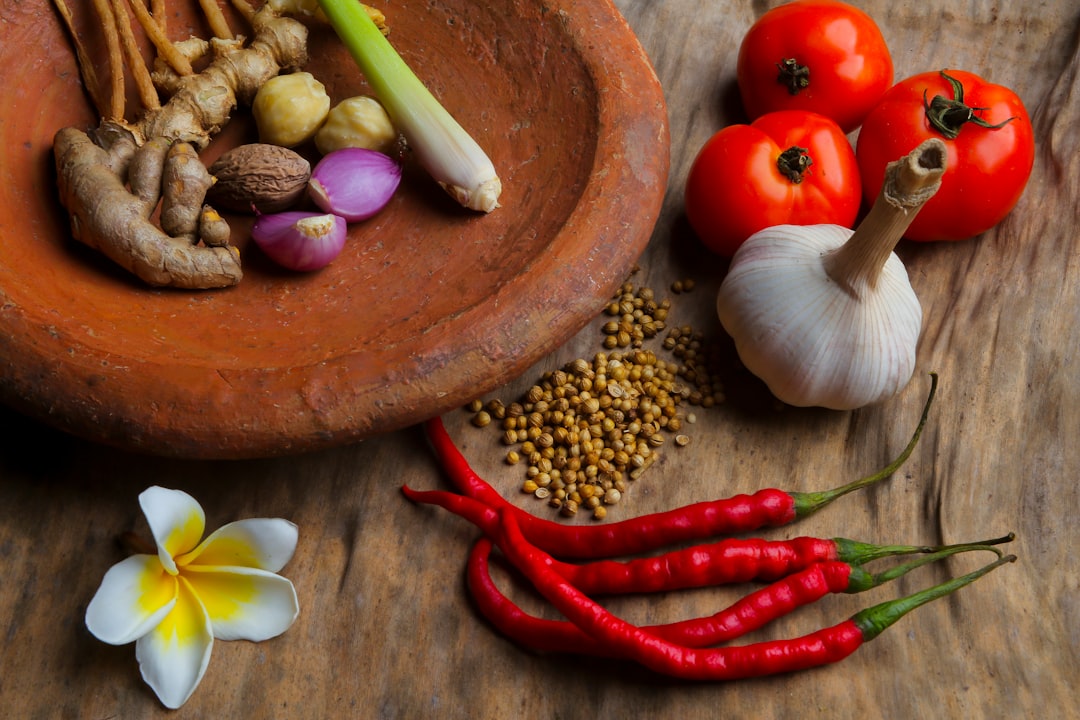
pixel 449 154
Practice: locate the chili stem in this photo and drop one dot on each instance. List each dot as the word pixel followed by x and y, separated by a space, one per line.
pixel 861 580
pixel 860 553
pixel 825 646
pixel 732 560
pixel 874 620
pixel 808 503
pixel 750 613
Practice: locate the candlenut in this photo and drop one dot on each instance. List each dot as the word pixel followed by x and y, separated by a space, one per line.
pixel 358 122
pixel 289 109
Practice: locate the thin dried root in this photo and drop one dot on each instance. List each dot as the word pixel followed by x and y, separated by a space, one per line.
pixel 246 9
pixel 166 78
pixel 157 9
pixel 139 72
pixel 216 19
pixel 86 66
pixel 104 12
pixel 156 32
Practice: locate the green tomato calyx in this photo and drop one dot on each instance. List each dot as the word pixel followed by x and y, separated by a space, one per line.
pixel 949 115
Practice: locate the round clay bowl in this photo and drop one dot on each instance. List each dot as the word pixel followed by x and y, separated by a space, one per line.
pixel 429 305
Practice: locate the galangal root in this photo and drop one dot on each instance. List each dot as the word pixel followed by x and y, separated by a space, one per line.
pixel 113 178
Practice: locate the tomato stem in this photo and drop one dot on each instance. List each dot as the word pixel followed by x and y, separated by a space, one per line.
pixel 793 76
pixel 794 162
pixel 949 115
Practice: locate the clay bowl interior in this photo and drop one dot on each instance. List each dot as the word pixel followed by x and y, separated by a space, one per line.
pixel 428 306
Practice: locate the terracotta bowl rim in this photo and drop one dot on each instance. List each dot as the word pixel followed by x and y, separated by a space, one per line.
pixel 39 380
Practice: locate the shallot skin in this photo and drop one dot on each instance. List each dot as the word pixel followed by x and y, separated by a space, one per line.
pixel 301 241
pixel 355 183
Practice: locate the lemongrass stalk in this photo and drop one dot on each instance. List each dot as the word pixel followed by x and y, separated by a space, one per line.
pixel 442 146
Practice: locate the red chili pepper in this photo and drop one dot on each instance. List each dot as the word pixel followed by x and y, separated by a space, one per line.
pixel 748 614
pixel 737 514
pixel 480 514
pixel 729 561
pixel 617 637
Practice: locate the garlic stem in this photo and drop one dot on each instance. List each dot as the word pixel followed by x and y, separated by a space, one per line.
pixel 449 154
pixel 909 183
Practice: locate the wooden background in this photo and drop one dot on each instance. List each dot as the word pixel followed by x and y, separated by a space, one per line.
pixel 386 629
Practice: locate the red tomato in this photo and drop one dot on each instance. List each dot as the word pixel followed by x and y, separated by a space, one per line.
pixel 790 167
pixel 988 167
pixel 819 55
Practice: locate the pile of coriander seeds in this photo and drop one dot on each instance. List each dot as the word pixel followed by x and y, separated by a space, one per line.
pixel 586 431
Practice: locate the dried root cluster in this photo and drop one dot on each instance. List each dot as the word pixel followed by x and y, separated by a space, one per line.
pixel 113 178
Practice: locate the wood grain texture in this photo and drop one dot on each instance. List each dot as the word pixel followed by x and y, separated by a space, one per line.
pixel 386 628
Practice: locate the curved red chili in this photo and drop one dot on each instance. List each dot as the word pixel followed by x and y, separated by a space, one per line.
pixel 731 515
pixel 729 561
pixel 625 640
pixel 480 514
pixel 750 613
pixel 740 513
pixel 733 560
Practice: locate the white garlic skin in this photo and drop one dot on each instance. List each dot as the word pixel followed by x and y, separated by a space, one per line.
pixel 811 341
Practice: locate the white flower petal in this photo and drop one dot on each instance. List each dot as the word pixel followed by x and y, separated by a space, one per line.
pixel 264 543
pixel 133 597
pixel 244 603
pixel 176 520
pixel 173 657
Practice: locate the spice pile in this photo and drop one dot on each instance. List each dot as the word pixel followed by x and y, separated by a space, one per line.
pixel 588 429
pixel 799 571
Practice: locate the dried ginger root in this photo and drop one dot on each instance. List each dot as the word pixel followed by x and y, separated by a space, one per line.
pixel 112 178
pixel 108 217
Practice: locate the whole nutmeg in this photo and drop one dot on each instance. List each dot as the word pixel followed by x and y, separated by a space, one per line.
pixel 259 176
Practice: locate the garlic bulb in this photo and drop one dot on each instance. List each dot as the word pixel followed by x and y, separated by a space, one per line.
pixel 825 316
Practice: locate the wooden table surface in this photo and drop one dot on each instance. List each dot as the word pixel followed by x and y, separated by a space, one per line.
pixel 386 628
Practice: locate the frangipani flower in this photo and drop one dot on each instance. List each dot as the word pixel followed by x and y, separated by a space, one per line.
pixel 173 604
